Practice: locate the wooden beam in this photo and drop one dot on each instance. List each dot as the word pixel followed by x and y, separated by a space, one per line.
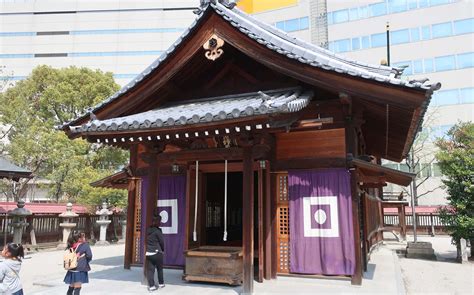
pixel 248 221
pixel 309 163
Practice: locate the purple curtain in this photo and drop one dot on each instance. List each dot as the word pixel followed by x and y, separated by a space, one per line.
pixel 171 207
pixel 171 203
pixel 321 231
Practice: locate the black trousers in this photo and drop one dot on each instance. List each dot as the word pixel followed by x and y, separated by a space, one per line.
pixel 154 261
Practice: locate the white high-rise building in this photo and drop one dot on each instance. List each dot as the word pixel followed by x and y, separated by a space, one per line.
pixel 434 38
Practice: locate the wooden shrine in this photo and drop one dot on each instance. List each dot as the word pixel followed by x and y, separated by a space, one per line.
pixel 234 108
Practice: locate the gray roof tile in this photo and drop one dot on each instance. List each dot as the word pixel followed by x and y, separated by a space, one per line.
pixel 280 42
pixel 221 108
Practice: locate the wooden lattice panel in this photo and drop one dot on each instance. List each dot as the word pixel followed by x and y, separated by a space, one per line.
pixel 283 223
pixel 282 187
pixel 137 223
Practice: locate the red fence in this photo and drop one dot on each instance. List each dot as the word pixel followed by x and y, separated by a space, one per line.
pixel 47 230
pixel 425 223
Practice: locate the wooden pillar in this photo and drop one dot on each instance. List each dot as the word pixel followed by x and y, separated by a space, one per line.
pixel 273 185
pixel 260 222
pixel 248 221
pixel 133 183
pixel 402 223
pixel 357 276
pixel 268 223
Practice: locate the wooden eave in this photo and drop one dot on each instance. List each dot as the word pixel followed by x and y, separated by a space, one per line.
pixel 117 180
pixel 374 174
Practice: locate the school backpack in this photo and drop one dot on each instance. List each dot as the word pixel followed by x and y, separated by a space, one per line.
pixel 70 259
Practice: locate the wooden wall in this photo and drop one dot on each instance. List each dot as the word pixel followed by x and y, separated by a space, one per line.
pixel 311 144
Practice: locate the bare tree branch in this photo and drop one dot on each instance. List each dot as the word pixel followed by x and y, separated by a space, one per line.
pixel 427 192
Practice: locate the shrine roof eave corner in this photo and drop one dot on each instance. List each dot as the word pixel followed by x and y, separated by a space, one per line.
pixel 273 39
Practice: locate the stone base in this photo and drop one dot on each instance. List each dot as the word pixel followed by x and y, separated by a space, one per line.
pixel 121 241
pixel 423 250
pixel 102 243
pixel 61 246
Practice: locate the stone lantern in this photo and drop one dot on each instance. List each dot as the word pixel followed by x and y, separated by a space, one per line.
pixel 18 223
pixel 67 224
pixel 123 223
pixel 103 222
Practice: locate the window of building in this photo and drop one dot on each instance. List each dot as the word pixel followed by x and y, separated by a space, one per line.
pixel 422 3
pixel 425 33
pixel 355 43
pixel 378 9
pixel 439 2
pixel 412 4
pixel 441 30
pixel 340 16
pixel 354 14
pixel 415 34
pixel 304 23
pixel 466 95
pixel 342 45
pixel 404 167
pixel 400 36
pixel 428 64
pixel 418 66
pixel 331 46
pixel 391 166
pixel 446 97
pixel 445 63
pixel 378 40
pixel 406 65
pixel 330 19
pixel 280 25
pixel 436 170
pixel 425 170
pixel 465 60
pixel 365 42
pixel 363 12
pixel 464 26
pixel 395 6
pixel 292 25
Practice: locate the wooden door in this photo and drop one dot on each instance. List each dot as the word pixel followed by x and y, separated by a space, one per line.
pixel 282 223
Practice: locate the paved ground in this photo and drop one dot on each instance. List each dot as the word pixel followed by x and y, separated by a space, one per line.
pixel 387 274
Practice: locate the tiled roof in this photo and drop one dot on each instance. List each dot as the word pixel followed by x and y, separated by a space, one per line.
pixel 208 110
pixel 280 42
pixel 7 166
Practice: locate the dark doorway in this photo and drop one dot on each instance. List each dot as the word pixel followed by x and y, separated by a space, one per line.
pixel 214 217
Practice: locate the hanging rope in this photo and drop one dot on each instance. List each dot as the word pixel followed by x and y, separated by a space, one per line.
pixel 225 202
pixel 196 202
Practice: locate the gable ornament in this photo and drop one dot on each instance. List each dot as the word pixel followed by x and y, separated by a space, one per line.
pixel 213 47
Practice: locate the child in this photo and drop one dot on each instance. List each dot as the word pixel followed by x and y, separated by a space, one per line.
pixel 10 269
pixel 78 276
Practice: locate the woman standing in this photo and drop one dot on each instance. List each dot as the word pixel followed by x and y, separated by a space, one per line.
pixel 78 276
pixel 10 269
pixel 154 254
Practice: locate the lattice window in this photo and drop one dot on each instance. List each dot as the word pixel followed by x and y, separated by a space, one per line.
pixel 284 221
pixel 283 188
pixel 284 258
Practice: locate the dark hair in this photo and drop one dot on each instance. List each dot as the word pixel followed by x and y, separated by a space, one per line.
pixel 16 250
pixel 156 222
pixel 74 238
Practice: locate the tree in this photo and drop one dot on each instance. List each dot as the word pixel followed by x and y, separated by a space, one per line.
pixel 456 160
pixel 34 107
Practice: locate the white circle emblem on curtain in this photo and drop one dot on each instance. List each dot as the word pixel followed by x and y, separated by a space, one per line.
pixel 164 216
pixel 320 216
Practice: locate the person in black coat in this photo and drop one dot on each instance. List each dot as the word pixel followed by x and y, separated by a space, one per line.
pixel 154 254
pixel 78 276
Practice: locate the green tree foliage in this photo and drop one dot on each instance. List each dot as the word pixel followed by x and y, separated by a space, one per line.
pixel 34 107
pixel 456 160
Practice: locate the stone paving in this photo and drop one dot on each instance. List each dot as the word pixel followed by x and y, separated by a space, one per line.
pixel 388 273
